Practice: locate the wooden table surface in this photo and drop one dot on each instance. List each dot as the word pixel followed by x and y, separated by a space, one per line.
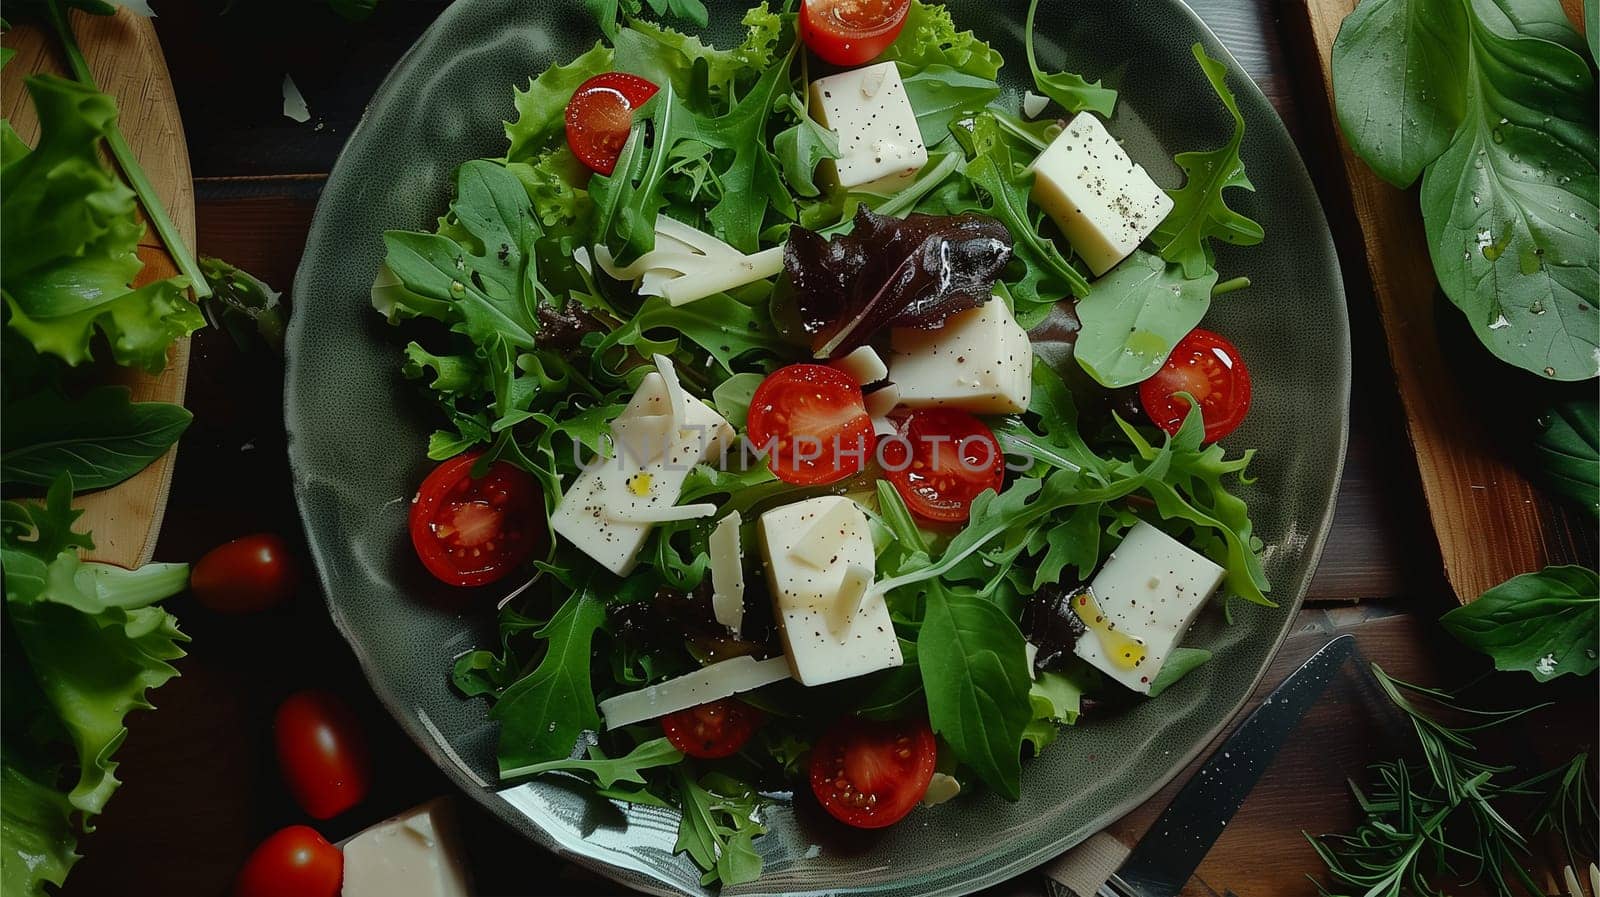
pixel 201 787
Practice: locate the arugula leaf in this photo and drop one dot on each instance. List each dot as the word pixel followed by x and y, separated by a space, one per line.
pixel 1179 663
pixel 1047 275
pixel 1543 623
pixel 802 147
pixel 940 95
pixel 1071 91
pixel 543 714
pixel 542 107
pixel 975 674
pixel 929 37
pixel 1134 315
pixel 100 438
pixel 628 200
pixel 894 693
pixel 1199 210
pixel 1566 452
pixel 725 326
pixel 718 828
pixel 608 771
pixel 244 304
pixel 1510 208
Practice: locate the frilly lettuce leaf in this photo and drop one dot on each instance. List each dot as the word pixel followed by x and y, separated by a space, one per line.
pixel 542 107
pixel 930 38
pixel 84 643
pixel 69 233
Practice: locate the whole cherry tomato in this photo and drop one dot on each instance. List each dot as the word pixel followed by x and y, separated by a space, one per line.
pixel 322 753
pixel 248 575
pixel 293 862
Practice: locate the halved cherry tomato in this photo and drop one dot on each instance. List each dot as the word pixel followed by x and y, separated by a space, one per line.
pixel 851 32
pixel 322 753
pixel 870 774
pixel 717 729
pixel 1208 367
pixel 469 532
pixel 247 575
pixel 600 114
pixel 292 862
pixel 940 460
pixel 815 419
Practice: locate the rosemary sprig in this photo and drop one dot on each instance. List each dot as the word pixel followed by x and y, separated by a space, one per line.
pixel 1444 818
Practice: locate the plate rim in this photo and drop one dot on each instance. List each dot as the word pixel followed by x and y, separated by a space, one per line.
pixel 487 796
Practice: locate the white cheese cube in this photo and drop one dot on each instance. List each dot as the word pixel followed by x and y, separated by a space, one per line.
pixel 1104 203
pixel 979 361
pixel 880 148
pixel 1150 588
pixel 415 854
pixel 834 625
pixel 712 682
pixel 608 510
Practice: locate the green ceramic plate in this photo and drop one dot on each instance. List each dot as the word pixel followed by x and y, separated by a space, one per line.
pixel 357 433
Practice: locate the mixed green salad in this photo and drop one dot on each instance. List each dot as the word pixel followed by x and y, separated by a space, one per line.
pixel 731 350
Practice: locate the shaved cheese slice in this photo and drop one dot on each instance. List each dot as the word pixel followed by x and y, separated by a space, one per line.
pixel 1033 104
pixel 694 238
pixel 670 514
pixel 882 426
pixel 727 574
pixel 677 399
pixel 643 438
pixel 581 256
pixel 882 400
pixel 852 591
pixel 722 276
pixel 864 364
pixel 820 545
pixel 712 683
pixel 941 788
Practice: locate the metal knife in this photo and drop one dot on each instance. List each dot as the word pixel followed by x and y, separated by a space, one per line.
pixel 1162 861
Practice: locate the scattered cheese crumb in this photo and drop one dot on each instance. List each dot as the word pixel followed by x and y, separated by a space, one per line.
pixel 1033 104
pixel 294 104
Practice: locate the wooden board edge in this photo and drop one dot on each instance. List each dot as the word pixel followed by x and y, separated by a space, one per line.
pixel 125 55
pixel 1489 521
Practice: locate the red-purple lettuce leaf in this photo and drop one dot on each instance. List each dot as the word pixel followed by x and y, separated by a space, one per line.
pixel 914 271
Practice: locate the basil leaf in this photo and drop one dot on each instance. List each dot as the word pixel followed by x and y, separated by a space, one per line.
pixel 1178 665
pixel 101 437
pixel 1543 623
pixel 543 714
pixel 941 94
pixel 1071 91
pixel 1199 211
pixel 975 672
pixel 1566 452
pixel 1135 314
pixel 1510 208
pixel 1397 82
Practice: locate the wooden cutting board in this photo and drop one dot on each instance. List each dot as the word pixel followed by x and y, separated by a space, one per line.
pixel 126 58
pixel 1491 522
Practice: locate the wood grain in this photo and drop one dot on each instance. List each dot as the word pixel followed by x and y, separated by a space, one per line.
pixel 1490 521
pixel 126 59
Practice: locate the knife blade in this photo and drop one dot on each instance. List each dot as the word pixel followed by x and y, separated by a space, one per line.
pixel 1164 859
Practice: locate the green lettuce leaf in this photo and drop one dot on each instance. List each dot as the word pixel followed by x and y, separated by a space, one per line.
pixel 542 106
pixel 69 232
pixel 929 37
